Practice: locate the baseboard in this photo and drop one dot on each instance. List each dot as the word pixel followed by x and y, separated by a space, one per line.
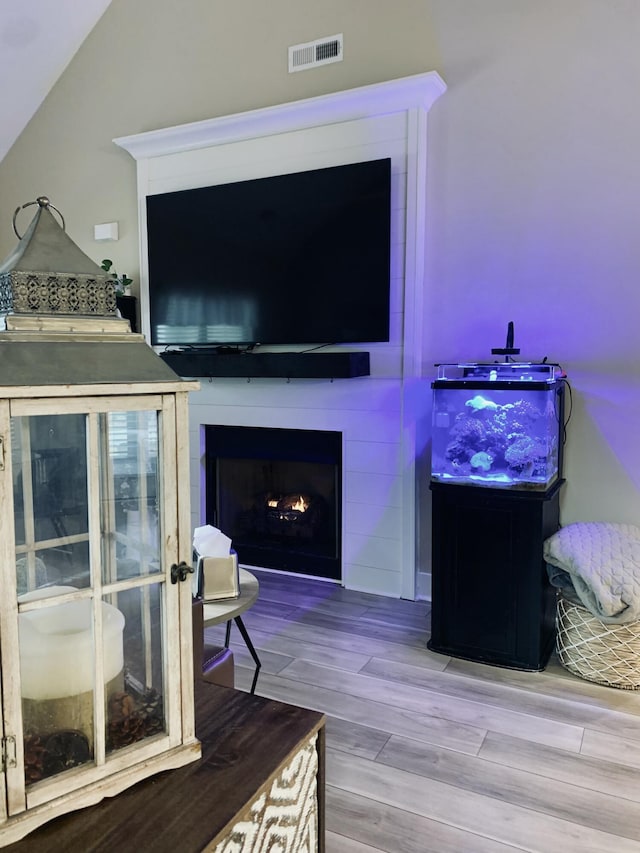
pixel 423 586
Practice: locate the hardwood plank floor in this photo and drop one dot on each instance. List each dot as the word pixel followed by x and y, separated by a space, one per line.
pixel 427 754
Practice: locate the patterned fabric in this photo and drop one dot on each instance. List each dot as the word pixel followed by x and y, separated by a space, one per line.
pixel 283 819
pixel 602 562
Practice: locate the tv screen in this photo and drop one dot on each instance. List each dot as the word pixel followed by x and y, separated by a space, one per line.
pixel 300 258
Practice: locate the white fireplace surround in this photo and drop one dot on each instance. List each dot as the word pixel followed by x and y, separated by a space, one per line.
pixel 381 416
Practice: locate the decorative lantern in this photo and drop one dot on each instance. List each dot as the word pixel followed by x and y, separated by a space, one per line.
pixel 95 625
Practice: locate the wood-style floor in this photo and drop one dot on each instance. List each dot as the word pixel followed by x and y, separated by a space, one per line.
pixel 429 754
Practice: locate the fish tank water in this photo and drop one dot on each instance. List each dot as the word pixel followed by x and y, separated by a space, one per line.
pixel 499 425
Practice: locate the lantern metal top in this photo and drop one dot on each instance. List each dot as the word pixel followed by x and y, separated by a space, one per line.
pixel 47 274
pixel 58 317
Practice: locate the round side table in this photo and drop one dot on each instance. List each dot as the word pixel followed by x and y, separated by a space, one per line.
pixel 231 609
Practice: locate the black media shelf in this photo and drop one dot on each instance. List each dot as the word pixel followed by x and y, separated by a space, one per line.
pixel 269 365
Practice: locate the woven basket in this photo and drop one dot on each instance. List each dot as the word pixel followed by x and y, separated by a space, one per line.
pixel 596 651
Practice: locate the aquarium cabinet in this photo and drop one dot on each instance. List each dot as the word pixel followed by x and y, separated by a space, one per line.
pixel 498 432
pixel 96 662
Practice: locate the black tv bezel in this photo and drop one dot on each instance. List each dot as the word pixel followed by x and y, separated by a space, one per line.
pixel 290 338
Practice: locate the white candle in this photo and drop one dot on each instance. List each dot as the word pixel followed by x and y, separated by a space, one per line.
pixel 57 649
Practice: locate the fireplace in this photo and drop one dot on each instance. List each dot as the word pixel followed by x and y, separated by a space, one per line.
pixel 383 418
pixel 277 494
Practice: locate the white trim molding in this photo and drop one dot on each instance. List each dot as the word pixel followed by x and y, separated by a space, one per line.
pixel 379 416
pixel 405 93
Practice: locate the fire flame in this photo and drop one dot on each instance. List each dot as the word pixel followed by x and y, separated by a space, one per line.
pixel 272 503
pixel 300 505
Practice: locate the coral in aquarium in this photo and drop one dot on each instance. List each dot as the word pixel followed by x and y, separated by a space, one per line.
pixel 517 418
pixel 496 436
pixel 480 403
pixel 489 436
pixel 481 460
pixel 468 438
pixel 525 455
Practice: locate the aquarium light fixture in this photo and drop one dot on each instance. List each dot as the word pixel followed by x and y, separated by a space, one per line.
pixel 495 371
pixel 508 349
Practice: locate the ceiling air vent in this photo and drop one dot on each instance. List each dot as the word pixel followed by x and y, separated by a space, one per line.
pixel 314 53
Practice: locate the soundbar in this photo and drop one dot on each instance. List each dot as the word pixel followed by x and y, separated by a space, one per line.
pixel 263 365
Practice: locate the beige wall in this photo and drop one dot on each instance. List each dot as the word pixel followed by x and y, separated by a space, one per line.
pixel 534 170
pixel 156 63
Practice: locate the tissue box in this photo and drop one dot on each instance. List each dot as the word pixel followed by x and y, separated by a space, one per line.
pixel 218 577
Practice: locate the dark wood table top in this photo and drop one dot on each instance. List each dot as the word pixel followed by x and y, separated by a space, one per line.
pixel 244 740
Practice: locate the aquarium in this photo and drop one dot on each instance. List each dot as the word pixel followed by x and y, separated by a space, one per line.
pixel 499 425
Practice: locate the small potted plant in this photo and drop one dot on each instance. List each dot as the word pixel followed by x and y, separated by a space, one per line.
pixel 122 282
pixel 124 300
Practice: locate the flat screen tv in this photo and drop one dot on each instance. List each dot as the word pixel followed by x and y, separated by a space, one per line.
pixel 300 258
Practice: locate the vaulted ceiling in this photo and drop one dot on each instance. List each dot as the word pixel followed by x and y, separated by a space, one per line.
pixel 38 38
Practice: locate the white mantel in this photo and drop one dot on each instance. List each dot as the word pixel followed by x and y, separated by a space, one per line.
pixel 379 416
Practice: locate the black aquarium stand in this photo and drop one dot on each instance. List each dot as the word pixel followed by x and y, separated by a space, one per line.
pixel 491 598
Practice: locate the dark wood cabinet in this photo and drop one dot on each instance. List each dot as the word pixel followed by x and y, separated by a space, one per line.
pixel 491 598
pixel 258 786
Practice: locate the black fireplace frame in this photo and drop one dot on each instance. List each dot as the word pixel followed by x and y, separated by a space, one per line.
pixel 277 444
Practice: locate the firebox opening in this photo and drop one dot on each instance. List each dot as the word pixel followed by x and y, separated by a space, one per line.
pixel 277 494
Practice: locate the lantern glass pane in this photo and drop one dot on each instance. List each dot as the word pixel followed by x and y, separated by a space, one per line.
pixel 136 712
pixel 130 495
pixel 51 504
